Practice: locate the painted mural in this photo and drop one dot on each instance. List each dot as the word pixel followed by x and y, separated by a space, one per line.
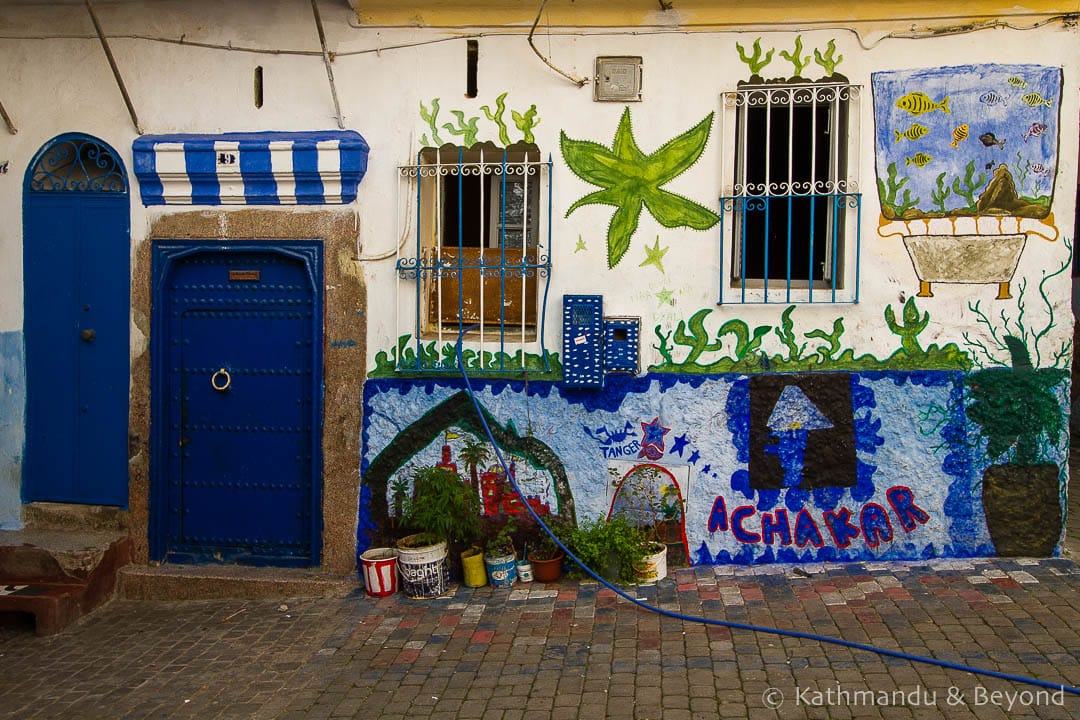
pixel 957 144
pixel 466 131
pixel 631 180
pixel 784 467
pixel 757 60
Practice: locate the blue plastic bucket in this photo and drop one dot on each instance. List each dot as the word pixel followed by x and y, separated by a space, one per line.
pixel 502 571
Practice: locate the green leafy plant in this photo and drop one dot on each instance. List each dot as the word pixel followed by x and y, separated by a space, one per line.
pixel 611 548
pixel 501 543
pixel 647 499
pixel 631 180
pixel 540 543
pixel 891 206
pixel 941 194
pixel 911 327
pixel 466 129
pixel 431 117
pixel 442 507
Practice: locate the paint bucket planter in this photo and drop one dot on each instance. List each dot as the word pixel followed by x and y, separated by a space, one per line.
pixel 524 571
pixel 501 570
pixel 547 570
pixel 472 567
pixel 654 566
pixel 380 571
pixel 424 572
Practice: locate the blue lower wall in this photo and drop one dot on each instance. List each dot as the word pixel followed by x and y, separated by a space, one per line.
pixel 779 467
pixel 12 427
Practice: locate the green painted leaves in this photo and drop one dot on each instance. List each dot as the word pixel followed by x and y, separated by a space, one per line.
pixel 630 179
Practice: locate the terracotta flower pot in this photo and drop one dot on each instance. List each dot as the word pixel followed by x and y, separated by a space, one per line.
pixel 546 570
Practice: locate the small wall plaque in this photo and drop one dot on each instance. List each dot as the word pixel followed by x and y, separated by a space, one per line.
pixel 244 275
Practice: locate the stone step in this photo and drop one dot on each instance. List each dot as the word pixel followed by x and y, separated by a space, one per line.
pixel 212 582
pixel 56 575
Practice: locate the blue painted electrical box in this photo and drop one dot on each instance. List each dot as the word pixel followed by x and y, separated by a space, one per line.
pixel 583 341
pixel 621 344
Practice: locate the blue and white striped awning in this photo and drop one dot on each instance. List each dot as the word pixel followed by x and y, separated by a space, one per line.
pixel 259 168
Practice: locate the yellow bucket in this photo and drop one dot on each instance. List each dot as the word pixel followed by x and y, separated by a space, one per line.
pixel 472 567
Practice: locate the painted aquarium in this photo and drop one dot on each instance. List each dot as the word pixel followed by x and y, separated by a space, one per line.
pixel 967 140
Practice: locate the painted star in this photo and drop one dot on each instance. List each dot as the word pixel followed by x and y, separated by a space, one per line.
pixel 694 457
pixel 665 297
pixel 580 244
pixel 655 255
pixel 679 445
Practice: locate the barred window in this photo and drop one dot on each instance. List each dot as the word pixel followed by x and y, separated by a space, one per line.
pixel 790 214
pixel 479 258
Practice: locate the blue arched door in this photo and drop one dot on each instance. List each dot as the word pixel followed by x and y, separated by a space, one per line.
pixel 76 269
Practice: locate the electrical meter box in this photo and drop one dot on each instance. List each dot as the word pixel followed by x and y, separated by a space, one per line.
pixel 583 341
pixel 621 344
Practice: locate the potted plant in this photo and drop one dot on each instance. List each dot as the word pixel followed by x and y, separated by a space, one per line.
pixel 647 500
pixel 1019 414
pixel 545 556
pixel 499 555
pixel 611 548
pixel 441 511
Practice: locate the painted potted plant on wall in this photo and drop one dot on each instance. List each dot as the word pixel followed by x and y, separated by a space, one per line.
pixel 1019 415
pixel 442 511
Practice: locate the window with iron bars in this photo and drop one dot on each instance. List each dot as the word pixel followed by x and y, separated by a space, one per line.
pixel 791 211
pixel 480 261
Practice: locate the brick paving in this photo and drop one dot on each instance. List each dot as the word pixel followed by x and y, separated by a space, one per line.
pixel 574 649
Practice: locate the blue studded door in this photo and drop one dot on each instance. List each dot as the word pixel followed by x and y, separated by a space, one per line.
pixel 239 406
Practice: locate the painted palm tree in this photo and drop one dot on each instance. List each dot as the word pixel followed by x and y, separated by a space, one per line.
pixel 474 453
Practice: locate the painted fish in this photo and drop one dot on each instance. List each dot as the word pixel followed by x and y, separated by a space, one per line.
pixel 958 135
pixel 918 103
pixel 1018 82
pixel 992 98
pixel 988 139
pixel 1036 130
pixel 1034 99
pixel 1040 169
pixel 914 132
pixel 920 159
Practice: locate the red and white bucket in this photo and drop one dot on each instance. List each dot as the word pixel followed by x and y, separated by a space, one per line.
pixel 380 571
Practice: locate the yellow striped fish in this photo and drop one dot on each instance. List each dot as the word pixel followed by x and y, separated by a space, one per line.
pixel 914 132
pixel 1034 99
pixel 920 159
pixel 958 135
pixel 918 103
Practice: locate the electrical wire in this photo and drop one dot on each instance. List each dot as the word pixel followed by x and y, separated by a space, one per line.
pixel 728 623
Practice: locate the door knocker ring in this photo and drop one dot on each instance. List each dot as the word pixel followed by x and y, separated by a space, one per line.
pixel 214 380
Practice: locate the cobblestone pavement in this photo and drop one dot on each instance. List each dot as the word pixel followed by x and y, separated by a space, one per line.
pixel 571 650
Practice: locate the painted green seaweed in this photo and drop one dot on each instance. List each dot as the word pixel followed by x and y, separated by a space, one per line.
pixel 403 361
pixel 497 118
pixel 631 180
pixel 911 327
pixel 998 353
pixel 431 118
pixel 888 190
pixel 704 354
pixel 828 60
pixel 796 57
pixel 755 62
pixel 526 122
pixel 942 193
pixel 971 185
pixel 466 129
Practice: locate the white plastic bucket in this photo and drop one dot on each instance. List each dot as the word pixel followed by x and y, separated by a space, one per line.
pixel 424 572
pixel 380 571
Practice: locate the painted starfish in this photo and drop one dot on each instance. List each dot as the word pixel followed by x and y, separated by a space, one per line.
pixel 631 179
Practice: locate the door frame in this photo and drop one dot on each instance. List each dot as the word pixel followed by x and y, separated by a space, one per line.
pixel 164 255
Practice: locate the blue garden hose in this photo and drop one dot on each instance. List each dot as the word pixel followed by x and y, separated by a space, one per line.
pixel 727 623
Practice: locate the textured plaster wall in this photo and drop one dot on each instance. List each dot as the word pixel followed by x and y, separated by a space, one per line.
pixel 344 324
pixel 12 429
pixel 911 493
